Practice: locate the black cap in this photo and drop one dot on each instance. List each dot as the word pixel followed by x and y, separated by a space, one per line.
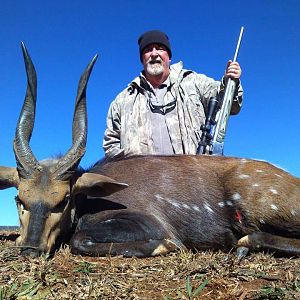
pixel 154 37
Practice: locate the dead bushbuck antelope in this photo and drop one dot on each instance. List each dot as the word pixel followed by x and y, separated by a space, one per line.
pixel 146 205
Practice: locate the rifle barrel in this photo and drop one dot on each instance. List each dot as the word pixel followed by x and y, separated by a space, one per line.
pixel 238 44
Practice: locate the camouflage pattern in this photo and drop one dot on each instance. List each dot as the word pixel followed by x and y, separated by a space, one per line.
pixel 128 129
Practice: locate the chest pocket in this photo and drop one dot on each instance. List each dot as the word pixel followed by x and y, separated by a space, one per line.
pixel 194 109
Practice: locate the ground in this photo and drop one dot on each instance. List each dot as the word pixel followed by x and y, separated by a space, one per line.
pixel 180 275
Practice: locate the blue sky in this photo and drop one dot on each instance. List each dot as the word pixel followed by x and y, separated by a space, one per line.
pixel 62 37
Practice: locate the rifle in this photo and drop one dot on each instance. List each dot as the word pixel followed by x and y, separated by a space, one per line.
pixel 206 128
pixel 213 136
pixel 217 144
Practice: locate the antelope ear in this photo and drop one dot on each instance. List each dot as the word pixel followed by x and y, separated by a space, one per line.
pixel 96 185
pixel 8 178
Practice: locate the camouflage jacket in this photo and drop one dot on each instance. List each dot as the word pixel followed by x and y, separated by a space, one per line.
pixel 128 129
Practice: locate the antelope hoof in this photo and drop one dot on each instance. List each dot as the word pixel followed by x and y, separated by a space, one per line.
pixel 242 252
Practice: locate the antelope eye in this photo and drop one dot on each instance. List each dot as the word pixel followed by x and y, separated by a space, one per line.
pixel 19 203
pixel 61 205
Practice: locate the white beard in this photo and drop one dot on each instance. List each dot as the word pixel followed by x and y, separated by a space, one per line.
pixel 155 69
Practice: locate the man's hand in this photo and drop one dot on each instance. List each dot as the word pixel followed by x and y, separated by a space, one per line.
pixel 233 70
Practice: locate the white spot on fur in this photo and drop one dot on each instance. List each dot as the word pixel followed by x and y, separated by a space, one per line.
pixel 207 207
pixel 273 206
pixel 236 196
pixel 262 221
pixel 174 203
pixel 158 197
pixel 168 200
pixel 272 190
pixel 243 176
pixel 229 203
pixel 294 212
pixel 255 185
pixel 196 208
pixel 221 204
pixel 186 206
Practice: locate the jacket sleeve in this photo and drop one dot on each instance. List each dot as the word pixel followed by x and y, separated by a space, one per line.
pixel 237 98
pixel 208 87
pixel 112 134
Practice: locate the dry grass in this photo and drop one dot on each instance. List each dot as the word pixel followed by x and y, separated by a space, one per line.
pixel 181 275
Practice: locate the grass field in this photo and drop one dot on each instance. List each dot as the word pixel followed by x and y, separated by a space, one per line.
pixel 180 275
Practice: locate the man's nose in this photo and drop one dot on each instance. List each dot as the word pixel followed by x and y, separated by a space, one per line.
pixel 154 51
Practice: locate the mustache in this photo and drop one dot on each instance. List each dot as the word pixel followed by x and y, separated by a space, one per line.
pixel 155 60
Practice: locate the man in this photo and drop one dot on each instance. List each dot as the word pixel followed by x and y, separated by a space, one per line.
pixel 161 111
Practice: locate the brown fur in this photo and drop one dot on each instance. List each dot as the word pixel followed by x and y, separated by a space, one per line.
pixel 200 202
